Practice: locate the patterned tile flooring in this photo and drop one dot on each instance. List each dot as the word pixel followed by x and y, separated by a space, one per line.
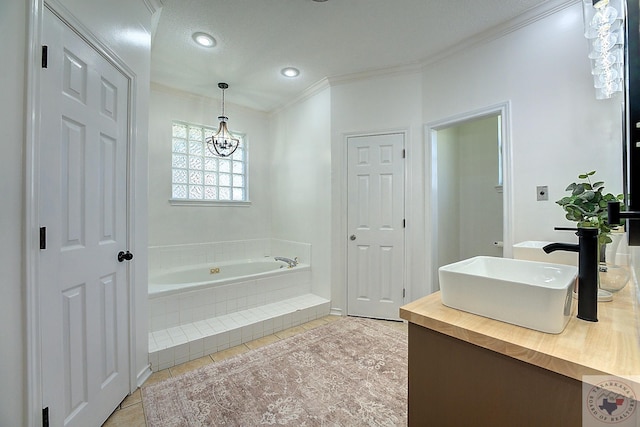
pixel 130 412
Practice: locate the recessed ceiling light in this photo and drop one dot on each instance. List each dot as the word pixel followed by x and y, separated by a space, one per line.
pixel 204 39
pixel 290 72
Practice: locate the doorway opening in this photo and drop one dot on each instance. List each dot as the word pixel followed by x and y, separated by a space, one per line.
pixel 469 206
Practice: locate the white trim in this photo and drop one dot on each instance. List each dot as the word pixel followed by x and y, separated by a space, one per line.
pixel 153 5
pixel 312 90
pixel 187 202
pixel 335 312
pixel 143 375
pixel 431 202
pixel 32 167
pixel 32 177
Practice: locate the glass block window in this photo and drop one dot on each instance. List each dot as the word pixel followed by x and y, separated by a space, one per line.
pixel 199 175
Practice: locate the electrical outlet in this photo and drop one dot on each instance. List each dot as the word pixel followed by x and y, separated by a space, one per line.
pixel 543 192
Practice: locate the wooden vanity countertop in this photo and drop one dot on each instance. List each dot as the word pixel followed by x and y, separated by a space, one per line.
pixel 610 346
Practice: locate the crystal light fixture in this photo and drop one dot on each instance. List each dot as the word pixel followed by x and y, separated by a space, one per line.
pixel 604 27
pixel 222 143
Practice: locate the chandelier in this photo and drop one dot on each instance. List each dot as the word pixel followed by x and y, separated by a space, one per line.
pixel 222 143
pixel 604 27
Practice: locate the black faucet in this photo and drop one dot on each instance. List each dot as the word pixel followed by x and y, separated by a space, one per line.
pixel 587 249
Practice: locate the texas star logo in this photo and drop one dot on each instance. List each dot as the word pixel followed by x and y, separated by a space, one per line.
pixel 611 401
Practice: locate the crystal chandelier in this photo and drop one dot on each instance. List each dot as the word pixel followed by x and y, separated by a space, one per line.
pixel 604 27
pixel 222 143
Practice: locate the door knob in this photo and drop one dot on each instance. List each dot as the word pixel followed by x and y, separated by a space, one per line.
pixel 352 237
pixel 124 256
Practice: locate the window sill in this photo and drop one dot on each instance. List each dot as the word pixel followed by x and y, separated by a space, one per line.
pixel 184 202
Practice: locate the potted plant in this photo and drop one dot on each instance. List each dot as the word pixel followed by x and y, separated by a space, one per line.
pixel 587 205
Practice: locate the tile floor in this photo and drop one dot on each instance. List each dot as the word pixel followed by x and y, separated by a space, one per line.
pixel 130 412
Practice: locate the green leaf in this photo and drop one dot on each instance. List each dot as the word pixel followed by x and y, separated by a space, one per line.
pixel 570 187
pixel 598 184
pixel 582 176
pixel 591 173
pixel 579 189
pixel 588 195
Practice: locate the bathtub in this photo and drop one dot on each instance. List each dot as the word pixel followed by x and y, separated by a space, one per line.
pixel 211 275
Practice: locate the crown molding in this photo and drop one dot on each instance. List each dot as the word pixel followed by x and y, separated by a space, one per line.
pixel 153 5
pixel 306 94
pixel 158 87
pixel 529 17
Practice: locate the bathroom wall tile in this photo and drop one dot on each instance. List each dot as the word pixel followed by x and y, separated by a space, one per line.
pixel 196 348
pixel 216 325
pixel 232 305
pixel 223 341
pixel 287 320
pixel 268 326
pixel 221 308
pixel 157 307
pixel 166 356
pixel 257 330
pixel 181 360
pixel 209 311
pixel 210 344
pixel 191 332
pixel 156 323
pixel 153 346
pixel 181 351
pixel 277 323
pixel 247 333
pixel 172 319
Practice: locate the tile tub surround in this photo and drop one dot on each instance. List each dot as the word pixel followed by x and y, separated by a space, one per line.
pixel 173 256
pixel 190 324
pixel 192 305
pixel 179 344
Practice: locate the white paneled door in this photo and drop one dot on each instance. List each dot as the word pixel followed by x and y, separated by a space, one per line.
pixel 375 222
pixel 83 211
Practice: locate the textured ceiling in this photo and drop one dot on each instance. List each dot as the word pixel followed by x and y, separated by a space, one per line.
pixel 256 38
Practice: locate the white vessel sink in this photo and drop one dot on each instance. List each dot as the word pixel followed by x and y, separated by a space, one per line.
pixel 531 250
pixel 525 293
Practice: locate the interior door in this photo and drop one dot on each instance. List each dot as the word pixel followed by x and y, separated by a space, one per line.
pixel 375 267
pixel 83 211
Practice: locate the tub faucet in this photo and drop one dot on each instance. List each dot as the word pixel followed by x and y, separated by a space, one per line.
pixel 587 249
pixel 291 262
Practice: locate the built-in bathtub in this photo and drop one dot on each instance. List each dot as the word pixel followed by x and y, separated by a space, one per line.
pixel 210 275
pixel 203 300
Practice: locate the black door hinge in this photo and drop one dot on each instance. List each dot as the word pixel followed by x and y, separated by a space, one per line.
pixel 404 223
pixel 404 292
pixel 43 237
pixel 45 56
pixel 45 417
pixel 404 153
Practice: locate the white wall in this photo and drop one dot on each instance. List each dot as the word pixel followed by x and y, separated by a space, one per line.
pixel 123 26
pixel 448 230
pixel 13 21
pixel 558 128
pixel 173 225
pixel 300 185
pixel 378 104
pixel 480 205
